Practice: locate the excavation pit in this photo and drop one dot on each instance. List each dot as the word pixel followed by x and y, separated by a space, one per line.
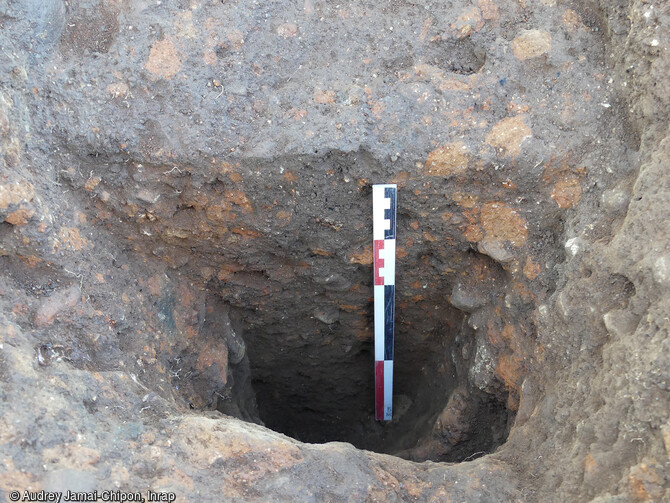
pixel 299 295
pixel 185 248
pixel 319 387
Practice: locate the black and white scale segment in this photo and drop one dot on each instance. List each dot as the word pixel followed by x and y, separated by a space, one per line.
pixel 384 201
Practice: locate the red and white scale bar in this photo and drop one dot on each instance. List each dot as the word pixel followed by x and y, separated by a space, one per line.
pixel 384 202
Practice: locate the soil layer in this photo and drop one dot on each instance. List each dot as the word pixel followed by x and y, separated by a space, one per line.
pixel 186 255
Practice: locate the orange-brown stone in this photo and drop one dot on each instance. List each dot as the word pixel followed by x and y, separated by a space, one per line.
pixel 164 59
pixel 508 135
pixel 448 159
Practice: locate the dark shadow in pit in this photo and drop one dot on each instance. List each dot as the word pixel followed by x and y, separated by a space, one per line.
pixel 315 384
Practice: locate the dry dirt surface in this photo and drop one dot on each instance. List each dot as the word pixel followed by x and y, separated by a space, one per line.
pixel 186 255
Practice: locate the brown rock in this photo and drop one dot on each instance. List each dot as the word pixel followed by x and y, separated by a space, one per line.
pixel 15 193
pixel 465 200
pixel 239 198
pixel 245 232
pixel 70 237
pixel 502 223
pixel 531 270
pixel 93 182
pixel 567 192
pixel 214 355
pixel 469 21
pixel 164 59
pixel 324 97
pixel 20 216
pixel 57 303
pixel 510 370
pixel 490 10
pixel 646 483
pixel 508 135
pixel 473 233
pixel 571 20
pixel 531 44
pixel 364 256
pixel 449 159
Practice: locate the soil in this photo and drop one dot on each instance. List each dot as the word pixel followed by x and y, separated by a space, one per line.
pixel 186 254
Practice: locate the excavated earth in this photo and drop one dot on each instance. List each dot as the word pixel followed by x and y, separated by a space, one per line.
pixel 186 259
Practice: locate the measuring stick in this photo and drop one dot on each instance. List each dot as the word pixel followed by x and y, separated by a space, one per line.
pixel 384 199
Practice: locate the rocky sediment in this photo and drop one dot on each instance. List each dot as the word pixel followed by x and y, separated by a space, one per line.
pixel 185 280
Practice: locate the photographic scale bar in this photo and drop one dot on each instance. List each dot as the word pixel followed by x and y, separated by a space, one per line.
pixel 384 201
